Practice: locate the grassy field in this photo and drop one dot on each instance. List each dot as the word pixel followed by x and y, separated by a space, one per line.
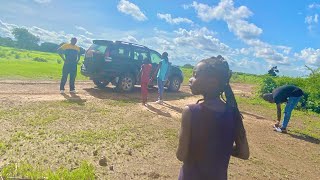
pixel 66 139
pixel 23 64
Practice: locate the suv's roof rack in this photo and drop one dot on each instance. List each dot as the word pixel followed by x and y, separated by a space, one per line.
pixel 123 42
pixel 97 41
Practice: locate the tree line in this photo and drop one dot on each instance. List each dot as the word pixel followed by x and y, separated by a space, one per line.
pixel 23 39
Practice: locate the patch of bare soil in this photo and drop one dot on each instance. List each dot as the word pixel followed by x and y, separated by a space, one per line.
pixel 129 140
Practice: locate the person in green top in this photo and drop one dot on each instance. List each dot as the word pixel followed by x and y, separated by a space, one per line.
pixel 70 54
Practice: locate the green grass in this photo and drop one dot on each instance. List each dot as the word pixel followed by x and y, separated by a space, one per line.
pixel 187 73
pixel 25 170
pixel 3 147
pixel 20 64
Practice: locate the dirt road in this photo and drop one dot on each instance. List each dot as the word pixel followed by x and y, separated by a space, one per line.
pixel 273 155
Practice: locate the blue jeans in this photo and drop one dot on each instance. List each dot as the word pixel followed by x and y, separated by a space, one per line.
pixel 292 102
pixel 160 88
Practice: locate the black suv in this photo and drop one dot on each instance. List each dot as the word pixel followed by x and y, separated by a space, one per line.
pixel 119 62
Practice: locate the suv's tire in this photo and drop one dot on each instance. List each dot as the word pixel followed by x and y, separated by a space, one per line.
pixel 126 83
pixel 174 84
pixel 100 84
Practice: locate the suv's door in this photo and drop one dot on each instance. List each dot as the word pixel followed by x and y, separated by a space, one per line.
pixel 139 54
pixel 120 59
pixel 155 60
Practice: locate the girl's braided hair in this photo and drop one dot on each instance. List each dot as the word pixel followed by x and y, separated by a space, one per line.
pixel 218 67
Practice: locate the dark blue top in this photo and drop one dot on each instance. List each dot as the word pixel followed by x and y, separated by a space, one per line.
pixel 282 93
pixel 212 138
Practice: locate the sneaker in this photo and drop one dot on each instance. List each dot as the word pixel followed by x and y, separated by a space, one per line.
pixel 159 102
pixel 73 91
pixel 61 91
pixel 281 130
pixel 276 126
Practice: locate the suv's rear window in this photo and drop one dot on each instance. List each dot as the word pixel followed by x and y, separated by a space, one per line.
pixel 98 48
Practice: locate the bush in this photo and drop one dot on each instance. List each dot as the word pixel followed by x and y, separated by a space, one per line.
pixel 3 55
pixel 267 86
pixel 59 61
pixel 38 59
pixel 17 56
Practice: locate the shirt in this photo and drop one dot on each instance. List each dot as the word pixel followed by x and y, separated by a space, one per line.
pixel 211 143
pixel 282 93
pixel 71 52
pixel 163 70
pixel 145 73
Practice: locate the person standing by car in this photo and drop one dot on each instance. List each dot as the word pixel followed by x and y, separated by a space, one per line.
pixel 145 76
pixel 70 54
pixel 162 75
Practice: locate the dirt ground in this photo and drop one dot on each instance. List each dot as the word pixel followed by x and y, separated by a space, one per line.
pixel 273 155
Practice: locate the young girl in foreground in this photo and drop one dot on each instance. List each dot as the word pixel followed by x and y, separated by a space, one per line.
pixel 213 130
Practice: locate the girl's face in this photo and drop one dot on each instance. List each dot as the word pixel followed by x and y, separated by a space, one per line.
pixel 201 82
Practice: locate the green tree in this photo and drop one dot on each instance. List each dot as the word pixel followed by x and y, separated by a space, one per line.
pixel 48 47
pixel 25 39
pixel 6 41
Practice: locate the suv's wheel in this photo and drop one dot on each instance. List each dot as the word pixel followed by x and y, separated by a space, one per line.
pixel 100 84
pixel 175 83
pixel 126 83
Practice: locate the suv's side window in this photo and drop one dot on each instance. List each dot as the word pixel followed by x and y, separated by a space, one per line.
pixel 155 57
pixel 120 52
pixel 140 54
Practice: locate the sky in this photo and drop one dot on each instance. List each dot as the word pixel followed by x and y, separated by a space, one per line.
pixel 251 35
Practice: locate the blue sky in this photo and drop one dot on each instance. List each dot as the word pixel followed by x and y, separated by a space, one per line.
pixel 252 35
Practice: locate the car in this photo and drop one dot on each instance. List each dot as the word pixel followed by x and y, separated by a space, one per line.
pixel 119 62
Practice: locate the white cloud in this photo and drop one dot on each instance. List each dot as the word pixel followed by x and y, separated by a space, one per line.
pixel 314 6
pixel 42 1
pixel 201 39
pixel 234 17
pixel 310 56
pixel 169 19
pixel 312 21
pixel 271 56
pixel 129 8
pixel 130 39
pixel 83 29
pixel 45 35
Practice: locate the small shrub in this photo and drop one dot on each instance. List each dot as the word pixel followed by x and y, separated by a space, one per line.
pixel 17 56
pixel 3 55
pixel 268 85
pixel 59 61
pixel 38 59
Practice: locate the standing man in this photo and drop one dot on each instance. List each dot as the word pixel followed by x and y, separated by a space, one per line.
pixel 70 54
pixel 287 93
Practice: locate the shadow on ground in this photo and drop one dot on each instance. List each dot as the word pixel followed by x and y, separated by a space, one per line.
pixel 73 98
pixel 135 95
pixel 304 138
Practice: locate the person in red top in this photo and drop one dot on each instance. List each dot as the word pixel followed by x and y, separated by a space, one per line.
pixel 145 76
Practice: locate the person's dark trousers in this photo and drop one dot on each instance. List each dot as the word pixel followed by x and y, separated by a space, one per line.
pixel 68 68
